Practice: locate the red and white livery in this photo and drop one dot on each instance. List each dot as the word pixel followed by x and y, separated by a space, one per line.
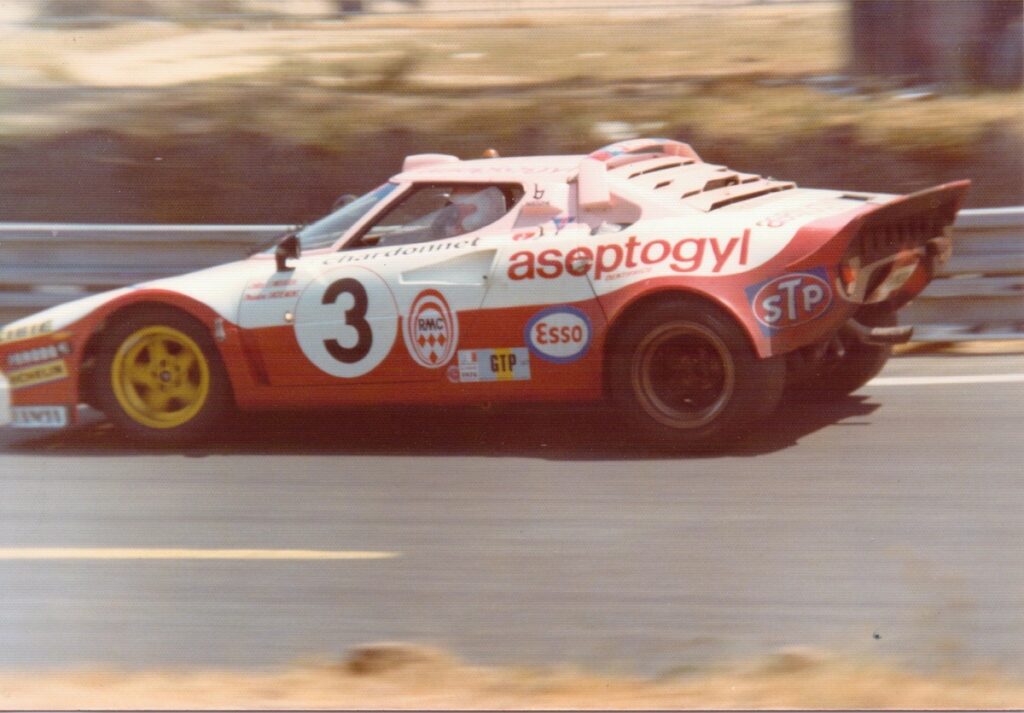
pixel 689 295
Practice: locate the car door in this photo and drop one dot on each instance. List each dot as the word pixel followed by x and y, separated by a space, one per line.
pixel 385 308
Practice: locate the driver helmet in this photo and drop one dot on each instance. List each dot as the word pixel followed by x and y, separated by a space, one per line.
pixel 477 208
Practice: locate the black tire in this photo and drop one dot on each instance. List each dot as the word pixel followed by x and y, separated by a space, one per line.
pixel 835 375
pixel 685 376
pixel 161 398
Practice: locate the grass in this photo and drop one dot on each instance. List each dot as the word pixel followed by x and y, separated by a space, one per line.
pixel 728 75
pixel 398 676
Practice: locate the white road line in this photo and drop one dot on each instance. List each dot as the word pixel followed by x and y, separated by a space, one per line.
pixel 930 380
pixel 124 553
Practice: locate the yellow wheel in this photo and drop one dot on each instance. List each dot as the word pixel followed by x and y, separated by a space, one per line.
pixel 159 376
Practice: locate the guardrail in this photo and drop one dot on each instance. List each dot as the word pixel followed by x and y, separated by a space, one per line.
pixel 979 295
pixel 285 11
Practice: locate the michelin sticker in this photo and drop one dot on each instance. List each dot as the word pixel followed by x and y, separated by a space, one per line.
pixel 559 334
pixel 38 374
pixel 494 364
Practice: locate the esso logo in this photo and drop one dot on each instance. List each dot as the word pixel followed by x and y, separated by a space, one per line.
pixel 792 299
pixel 559 334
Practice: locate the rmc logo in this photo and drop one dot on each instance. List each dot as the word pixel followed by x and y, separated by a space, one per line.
pixel 791 299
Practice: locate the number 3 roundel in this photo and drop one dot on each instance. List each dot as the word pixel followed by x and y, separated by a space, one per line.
pixel 346 322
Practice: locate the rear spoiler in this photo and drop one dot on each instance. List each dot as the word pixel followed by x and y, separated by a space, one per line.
pixel 896 247
pixel 938 204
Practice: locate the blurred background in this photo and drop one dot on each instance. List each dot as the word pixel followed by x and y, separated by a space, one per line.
pixel 263 111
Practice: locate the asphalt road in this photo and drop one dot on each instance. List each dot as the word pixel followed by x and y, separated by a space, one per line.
pixel 891 522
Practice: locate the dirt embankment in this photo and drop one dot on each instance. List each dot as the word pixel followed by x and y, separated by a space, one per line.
pixel 106 176
pixel 404 676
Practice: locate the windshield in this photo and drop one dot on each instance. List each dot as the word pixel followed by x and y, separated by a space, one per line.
pixel 324 232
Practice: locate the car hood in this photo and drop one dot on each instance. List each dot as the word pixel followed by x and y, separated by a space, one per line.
pixel 219 288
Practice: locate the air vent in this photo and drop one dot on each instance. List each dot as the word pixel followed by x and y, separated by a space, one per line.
pixel 656 168
pixel 747 196
pixel 715 183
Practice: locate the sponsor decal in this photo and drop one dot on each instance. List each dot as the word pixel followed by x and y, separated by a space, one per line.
pixel 439 246
pixel 559 334
pixel 271 290
pixel 39 416
pixel 494 364
pixel 346 322
pixel 528 235
pixel 38 374
pixel 685 256
pixel 790 300
pixel 804 211
pixel 622 147
pixel 28 331
pixel 562 221
pixel 32 356
pixel 431 330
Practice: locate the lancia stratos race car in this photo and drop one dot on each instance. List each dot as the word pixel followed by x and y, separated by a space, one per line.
pixel 688 296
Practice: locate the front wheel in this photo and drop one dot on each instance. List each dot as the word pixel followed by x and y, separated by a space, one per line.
pixel 685 376
pixel 159 377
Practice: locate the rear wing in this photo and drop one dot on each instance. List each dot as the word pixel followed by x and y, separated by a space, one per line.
pixel 893 240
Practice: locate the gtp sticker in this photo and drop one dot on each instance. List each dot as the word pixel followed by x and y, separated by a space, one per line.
pixel 494 364
pixel 431 330
pixel 559 334
pixel 790 300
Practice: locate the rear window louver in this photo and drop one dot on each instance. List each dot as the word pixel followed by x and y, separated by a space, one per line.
pixel 688 178
pixel 748 196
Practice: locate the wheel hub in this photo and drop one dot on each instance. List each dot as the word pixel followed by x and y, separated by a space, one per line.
pixel 160 377
pixel 684 375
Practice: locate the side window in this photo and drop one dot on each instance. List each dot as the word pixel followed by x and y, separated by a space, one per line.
pixel 438 211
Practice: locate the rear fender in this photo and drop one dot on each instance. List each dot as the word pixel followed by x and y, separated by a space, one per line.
pixel 620 306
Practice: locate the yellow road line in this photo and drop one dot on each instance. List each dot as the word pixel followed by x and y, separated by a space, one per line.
pixel 118 553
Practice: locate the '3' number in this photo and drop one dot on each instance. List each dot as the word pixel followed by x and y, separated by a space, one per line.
pixel 355 317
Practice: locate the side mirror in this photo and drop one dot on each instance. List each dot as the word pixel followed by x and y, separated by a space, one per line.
pixel 343 200
pixel 287 249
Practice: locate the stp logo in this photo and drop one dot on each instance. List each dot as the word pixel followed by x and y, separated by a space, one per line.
pixel 792 299
pixel 559 334
pixel 431 330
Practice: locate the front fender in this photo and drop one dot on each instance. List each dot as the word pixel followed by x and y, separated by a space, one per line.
pixel 76 328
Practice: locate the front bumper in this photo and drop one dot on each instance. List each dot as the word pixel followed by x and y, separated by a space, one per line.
pixel 5 401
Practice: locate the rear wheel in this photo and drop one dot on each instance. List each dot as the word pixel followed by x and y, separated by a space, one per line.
pixel 159 377
pixel 685 376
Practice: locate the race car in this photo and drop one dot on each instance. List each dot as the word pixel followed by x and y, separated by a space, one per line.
pixel 688 296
